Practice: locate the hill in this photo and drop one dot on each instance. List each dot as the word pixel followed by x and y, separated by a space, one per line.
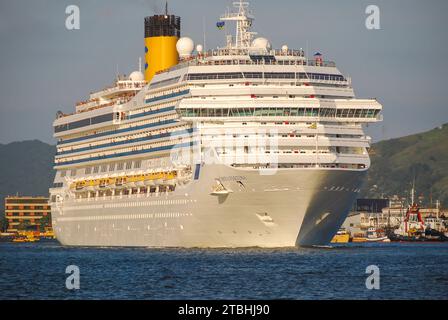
pixel 396 162
pixel 26 168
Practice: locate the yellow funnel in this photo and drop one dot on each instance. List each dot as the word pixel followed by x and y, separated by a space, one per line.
pixel 161 35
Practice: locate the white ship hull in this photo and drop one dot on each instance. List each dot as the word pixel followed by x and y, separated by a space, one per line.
pixel 291 207
pixel 125 155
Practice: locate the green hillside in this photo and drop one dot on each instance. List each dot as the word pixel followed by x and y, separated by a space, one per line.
pixel 26 168
pixel 396 162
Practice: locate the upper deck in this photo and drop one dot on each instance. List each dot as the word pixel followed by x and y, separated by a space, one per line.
pixel 250 57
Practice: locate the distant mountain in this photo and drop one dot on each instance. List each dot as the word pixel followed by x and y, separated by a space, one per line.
pixel 26 168
pixel 396 162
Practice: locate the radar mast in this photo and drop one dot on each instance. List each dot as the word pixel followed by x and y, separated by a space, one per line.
pixel 244 20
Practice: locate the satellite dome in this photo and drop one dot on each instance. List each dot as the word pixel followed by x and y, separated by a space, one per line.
pixel 136 76
pixel 285 48
pixel 185 47
pixel 199 48
pixel 261 43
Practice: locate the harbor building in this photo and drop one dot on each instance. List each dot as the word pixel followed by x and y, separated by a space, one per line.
pixel 25 213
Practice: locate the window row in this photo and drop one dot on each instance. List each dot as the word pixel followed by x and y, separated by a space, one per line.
pixel 265 75
pixel 280 112
pixel 84 122
pixel 116 166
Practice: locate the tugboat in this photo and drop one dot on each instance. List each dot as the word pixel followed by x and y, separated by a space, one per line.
pixel 413 228
pixel 376 235
pixel 372 235
pixel 342 236
pixel 435 228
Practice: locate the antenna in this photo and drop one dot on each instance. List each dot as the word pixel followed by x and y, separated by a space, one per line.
pixel 140 64
pixel 413 192
pixel 166 8
pixel 243 18
pixel 437 208
pixel 203 30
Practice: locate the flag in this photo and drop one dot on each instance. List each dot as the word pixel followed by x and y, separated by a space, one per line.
pixel 220 25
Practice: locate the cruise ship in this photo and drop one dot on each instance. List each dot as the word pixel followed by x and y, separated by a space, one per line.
pixel 240 146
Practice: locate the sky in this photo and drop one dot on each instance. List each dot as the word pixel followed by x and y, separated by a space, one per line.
pixel 45 68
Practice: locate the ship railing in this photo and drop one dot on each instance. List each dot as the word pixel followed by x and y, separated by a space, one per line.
pixel 120 86
pixel 326 81
pixel 321 63
pixel 124 196
pixel 235 53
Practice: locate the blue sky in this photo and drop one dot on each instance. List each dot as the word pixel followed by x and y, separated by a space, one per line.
pixel 45 68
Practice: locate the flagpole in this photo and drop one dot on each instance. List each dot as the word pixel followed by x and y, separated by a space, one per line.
pixel 203 30
pixel 317 146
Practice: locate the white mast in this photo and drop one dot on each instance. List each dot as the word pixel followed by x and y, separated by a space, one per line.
pixel 244 20
pixel 413 193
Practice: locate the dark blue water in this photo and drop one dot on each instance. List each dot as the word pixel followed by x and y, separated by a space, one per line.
pixel 407 271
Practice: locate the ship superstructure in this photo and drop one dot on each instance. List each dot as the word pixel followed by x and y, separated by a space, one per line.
pixel 238 146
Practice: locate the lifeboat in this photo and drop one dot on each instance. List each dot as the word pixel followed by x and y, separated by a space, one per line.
pixel 139 181
pixel 120 182
pixel 159 178
pixel 79 186
pixel 171 182
pixel 90 188
pixel 171 178
pixel 149 182
pixel 130 184
pixel 103 183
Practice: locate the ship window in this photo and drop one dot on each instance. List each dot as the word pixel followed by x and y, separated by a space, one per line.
pixel 96 169
pixel 138 164
pixel 63 173
pixel 104 168
pixel 88 170
pixel 112 167
pixel 78 124
pixel 358 113
pixel 128 165
pixel 73 173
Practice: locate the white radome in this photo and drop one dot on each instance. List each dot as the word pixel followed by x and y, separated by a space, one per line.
pixel 185 47
pixel 285 48
pixel 199 48
pixel 136 76
pixel 261 43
